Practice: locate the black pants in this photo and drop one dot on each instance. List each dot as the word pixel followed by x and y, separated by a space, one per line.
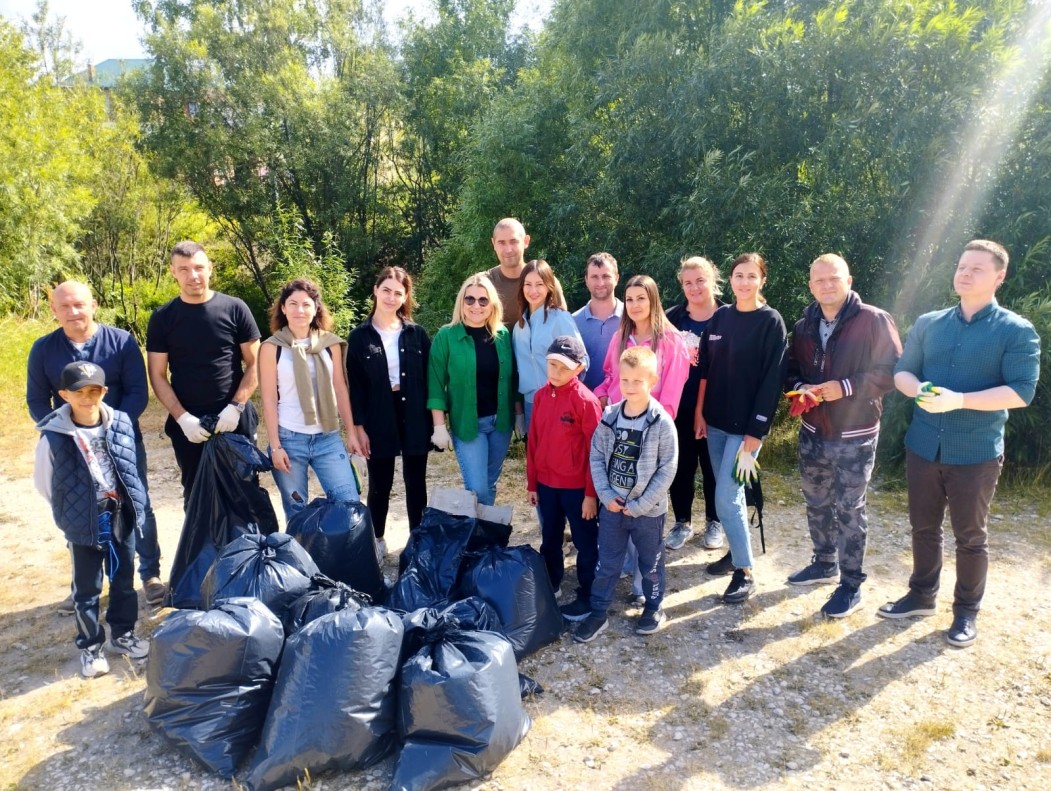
pixel 692 452
pixel 188 454
pixel 381 480
pixel 88 565
pixel 555 508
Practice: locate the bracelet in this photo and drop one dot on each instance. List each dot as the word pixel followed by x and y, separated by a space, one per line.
pixel 272 448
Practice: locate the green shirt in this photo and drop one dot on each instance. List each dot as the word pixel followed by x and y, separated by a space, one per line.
pixel 451 380
pixel 996 347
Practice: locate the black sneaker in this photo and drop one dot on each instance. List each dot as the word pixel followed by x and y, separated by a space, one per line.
pixel 963 632
pixel 576 610
pixel 590 628
pixel 740 588
pixel 908 606
pixel 650 621
pixel 817 573
pixel 721 567
pixel 844 600
pixel 633 600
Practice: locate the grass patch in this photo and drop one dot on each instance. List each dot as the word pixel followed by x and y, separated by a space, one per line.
pixel 1043 755
pixel 921 735
pixel 18 438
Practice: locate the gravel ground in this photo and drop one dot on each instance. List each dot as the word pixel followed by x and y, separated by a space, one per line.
pixel 763 695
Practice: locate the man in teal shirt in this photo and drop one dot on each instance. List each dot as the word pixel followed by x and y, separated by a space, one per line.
pixel 965 367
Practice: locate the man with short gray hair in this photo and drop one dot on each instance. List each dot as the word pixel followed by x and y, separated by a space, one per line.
pixel 80 338
pixel 841 364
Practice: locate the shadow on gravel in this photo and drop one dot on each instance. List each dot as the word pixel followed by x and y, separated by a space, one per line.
pixel 98 749
pixel 760 734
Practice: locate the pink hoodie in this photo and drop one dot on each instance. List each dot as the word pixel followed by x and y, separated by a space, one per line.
pixel 673 368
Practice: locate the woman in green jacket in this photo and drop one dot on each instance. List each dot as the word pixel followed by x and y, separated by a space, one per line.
pixel 469 381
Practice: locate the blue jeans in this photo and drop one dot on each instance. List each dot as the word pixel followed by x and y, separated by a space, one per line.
pixel 327 454
pixel 614 530
pixel 146 545
pixel 729 495
pixel 482 458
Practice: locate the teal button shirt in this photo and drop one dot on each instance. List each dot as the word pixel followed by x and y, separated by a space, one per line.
pixel 996 347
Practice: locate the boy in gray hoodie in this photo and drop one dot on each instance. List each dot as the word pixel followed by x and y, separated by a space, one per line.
pixel 85 468
pixel 634 454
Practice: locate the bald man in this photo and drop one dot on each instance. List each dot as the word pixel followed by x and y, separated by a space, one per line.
pixel 510 241
pixel 80 338
pixel 843 351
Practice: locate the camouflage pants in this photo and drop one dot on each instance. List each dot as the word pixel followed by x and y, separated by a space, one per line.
pixel 835 476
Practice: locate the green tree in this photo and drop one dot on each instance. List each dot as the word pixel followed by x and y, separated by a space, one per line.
pixel 46 168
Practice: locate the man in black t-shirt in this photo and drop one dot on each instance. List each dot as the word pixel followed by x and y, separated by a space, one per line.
pixel 201 350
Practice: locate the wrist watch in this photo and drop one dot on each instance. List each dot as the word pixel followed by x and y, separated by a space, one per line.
pixel 238 407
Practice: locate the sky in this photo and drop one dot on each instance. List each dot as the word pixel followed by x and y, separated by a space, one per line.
pixel 109 28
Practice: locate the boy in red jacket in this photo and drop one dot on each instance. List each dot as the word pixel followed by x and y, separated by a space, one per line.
pixel 558 473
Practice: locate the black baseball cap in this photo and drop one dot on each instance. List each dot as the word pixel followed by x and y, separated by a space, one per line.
pixel 567 350
pixel 81 374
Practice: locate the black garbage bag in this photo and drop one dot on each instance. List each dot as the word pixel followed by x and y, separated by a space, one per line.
pixel 338 535
pixel 471 614
pixel 459 709
pixel 488 534
pixel 334 705
pixel 514 581
pixel 226 502
pixel 209 679
pixel 274 569
pixel 431 561
pixel 322 597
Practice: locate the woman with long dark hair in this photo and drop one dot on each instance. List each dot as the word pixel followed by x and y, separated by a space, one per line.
pixel 387 371
pixel 304 393
pixel 742 362
pixel 543 318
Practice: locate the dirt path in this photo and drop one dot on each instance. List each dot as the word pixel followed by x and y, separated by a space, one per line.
pixel 766 695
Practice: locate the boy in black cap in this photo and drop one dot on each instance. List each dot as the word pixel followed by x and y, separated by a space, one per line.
pixel 565 414
pixel 85 468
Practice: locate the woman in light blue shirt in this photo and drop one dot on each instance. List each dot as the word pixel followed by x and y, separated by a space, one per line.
pixel 544 318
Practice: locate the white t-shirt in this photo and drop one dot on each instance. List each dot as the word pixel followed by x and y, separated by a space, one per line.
pixel 91 441
pixel 390 349
pixel 289 411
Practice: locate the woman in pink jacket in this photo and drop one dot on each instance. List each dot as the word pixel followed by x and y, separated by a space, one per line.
pixel 644 324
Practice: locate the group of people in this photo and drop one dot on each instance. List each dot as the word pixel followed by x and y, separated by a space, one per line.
pixel 619 404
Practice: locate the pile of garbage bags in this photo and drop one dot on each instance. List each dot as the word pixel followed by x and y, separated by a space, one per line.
pixel 301 659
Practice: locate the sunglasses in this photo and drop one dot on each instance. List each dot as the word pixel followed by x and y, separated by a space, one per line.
pixel 483 302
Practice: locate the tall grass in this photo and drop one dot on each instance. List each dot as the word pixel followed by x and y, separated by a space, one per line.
pixel 18 437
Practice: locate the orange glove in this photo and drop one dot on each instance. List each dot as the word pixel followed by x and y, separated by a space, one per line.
pixel 802 401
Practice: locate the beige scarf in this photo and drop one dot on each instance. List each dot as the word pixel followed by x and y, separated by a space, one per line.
pixel 323 408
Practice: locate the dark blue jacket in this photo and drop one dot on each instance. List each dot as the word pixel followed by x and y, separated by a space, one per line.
pixel 112 349
pixel 63 477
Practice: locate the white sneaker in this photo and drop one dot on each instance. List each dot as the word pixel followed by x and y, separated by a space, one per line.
pixel 381 550
pixel 713 535
pixel 93 662
pixel 129 645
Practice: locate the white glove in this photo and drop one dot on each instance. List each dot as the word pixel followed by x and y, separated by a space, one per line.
pixel 440 438
pixel 746 468
pixel 228 420
pixel 192 428
pixel 939 399
pixel 520 426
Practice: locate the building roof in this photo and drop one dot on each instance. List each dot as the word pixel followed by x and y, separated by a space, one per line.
pixel 108 73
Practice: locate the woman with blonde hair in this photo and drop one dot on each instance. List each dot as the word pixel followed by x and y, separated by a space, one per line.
pixel 469 386
pixel 543 318
pixel 701 288
pixel 303 387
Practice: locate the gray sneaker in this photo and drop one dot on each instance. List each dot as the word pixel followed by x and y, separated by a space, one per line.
pixel 713 535
pixel 129 645
pixel 678 535
pixel 93 662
